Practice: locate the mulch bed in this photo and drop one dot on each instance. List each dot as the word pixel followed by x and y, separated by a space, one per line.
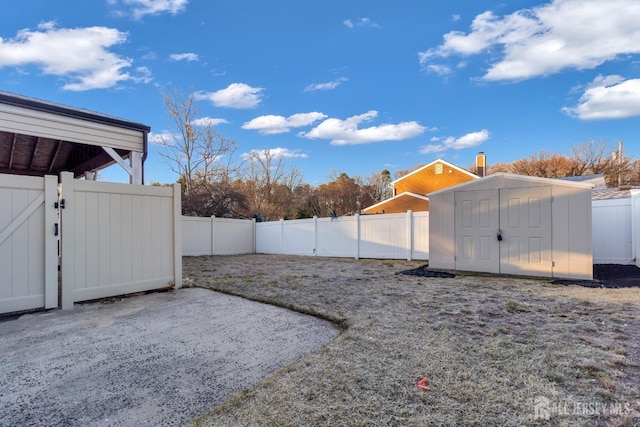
pixel 604 276
pixel 423 271
pixel 609 276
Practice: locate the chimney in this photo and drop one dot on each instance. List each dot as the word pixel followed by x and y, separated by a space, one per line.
pixel 481 164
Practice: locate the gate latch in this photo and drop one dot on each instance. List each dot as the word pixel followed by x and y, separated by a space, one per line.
pixel 59 204
pixel 499 235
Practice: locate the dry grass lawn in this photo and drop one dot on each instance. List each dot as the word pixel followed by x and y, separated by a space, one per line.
pixel 489 346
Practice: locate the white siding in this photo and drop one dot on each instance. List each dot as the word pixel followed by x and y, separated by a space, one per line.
pixel 16 119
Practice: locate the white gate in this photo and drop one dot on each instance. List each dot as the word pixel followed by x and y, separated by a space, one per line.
pixel 28 243
pixel 504 231
pixel 118 239
pixel 113 239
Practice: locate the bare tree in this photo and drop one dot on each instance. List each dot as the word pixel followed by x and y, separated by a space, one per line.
pixel 195 151
pixel 590 158
pixel 378 186
pixel 269 185
pixel 543 164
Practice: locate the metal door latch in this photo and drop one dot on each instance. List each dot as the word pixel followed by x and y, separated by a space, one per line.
pixel 499 235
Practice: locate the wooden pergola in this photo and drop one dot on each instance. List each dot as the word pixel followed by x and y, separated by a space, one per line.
pixel 42 138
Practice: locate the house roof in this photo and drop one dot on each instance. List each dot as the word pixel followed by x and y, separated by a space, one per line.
pixel 503 175
pixel 399 202
pixel 40 137
pixel 450 165
pixel 612 193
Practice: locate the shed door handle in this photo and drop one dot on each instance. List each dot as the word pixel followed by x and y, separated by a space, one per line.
pixel 499 235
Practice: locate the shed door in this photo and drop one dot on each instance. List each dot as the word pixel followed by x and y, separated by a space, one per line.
pixel 525 222
pixel 522 217
pixel 477 220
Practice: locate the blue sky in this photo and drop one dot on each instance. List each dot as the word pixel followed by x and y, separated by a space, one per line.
pixel 349 86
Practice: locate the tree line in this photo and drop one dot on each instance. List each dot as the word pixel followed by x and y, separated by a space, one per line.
pixel 215 182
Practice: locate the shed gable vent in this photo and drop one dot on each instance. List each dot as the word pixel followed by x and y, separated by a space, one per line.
pixel 438 169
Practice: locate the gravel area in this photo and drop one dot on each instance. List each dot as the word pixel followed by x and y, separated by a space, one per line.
pixel 158 359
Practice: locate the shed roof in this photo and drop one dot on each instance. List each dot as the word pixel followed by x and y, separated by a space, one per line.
pixel 596 179
pixel 503 175
pixel 39 137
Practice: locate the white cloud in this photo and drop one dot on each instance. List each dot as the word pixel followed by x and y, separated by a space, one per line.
pixel 143 75
pixel 187 56
pixel 455 17
pixel 164 137
pixel 208 121
pixel 472 139
pixel 325 86
pixel 342 132
pixel 141 8
pixel 609 97
pixel 236 95
pixel 362 22
pixel 271 124
pixel 81 55
pixel 562 34
pixel 441 70
pixel 275 153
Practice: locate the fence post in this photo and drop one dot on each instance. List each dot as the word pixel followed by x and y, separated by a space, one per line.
pixel 315 235
pixel 177 236
pixel 357 236
pixel 281 236
pixel 51 243
pixel 213 235
pixel 253 235
pixel 635 225
pixel 67 228
pixel 409 235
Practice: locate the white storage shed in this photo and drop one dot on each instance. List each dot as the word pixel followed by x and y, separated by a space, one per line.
pixel 513 224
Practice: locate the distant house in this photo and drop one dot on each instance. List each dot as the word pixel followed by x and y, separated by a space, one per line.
pixel 409 191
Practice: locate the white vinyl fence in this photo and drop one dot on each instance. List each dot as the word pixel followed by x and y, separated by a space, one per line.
pixel 612 236
pixel 635 224
pixel 616 235
pixel 217 236
pixel 391 236
pixel 107 239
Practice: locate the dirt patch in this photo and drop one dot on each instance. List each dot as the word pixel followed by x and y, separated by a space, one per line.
pixel 490 346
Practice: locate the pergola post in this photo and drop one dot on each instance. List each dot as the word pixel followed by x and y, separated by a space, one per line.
pixel 135 160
